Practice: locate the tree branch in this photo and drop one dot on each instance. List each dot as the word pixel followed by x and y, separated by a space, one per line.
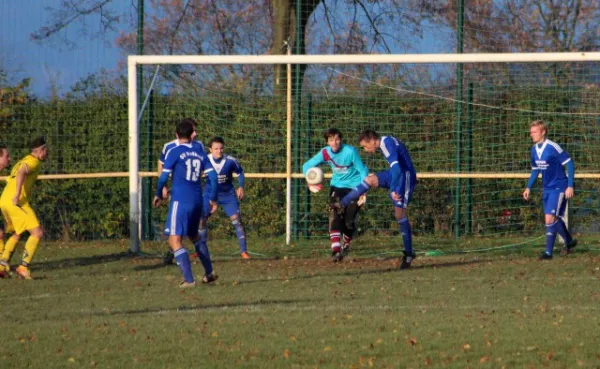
pixel 71 12
pixel 378 34
pixel 177 25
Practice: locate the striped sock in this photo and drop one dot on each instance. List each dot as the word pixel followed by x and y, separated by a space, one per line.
pixel 334 236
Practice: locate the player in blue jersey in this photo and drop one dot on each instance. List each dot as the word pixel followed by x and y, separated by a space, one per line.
pixel 348 172
pixel 169 257
pixel 228 197
pixel 400 180
pixel 548 158
pixel 185 164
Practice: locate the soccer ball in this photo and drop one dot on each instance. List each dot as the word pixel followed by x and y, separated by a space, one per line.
pixel 314 176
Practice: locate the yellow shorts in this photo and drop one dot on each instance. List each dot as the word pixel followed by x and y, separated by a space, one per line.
pixel 19 218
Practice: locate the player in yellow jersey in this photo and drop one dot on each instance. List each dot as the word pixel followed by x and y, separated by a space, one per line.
pixel 17 212
pixel 4 161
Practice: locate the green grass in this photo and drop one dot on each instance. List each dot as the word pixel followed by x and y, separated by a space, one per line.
pixel 94 307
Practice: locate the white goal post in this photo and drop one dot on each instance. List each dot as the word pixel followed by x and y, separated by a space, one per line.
pixel 133 108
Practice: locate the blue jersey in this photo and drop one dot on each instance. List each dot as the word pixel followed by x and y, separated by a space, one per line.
pixel 225 167
pixel 185 163
pixel 346 165
pixel 172 144
pixel 403 173
pixel 395 152
pixel 549 158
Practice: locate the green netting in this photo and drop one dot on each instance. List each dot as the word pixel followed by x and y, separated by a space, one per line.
pixel 416 103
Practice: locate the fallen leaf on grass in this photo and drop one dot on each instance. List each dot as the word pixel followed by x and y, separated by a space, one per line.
pixel 412 341
pixel 286 353
pixel 466 346
pixel 484 359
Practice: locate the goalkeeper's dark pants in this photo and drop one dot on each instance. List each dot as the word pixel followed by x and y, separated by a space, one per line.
pixel 346 221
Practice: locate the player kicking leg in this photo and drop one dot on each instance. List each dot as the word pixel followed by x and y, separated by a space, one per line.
pixel 400 202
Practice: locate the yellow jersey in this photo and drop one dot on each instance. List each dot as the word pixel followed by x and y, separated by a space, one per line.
pixel 33 170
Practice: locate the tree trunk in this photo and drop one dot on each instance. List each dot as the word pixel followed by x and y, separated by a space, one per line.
pixel 284 33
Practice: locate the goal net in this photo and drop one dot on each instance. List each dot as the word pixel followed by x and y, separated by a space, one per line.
pixel 464 118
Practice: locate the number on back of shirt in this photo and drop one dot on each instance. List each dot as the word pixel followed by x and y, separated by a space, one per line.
pixel 193 170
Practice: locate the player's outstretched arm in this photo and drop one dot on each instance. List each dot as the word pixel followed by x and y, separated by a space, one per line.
pixel 313 162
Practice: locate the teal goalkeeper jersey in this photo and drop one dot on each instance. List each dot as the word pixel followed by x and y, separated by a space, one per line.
pixel 346 165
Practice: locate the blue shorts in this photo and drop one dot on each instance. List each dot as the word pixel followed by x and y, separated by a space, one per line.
pixel 406 187
pixel 554 202
pixel 183 219
pixel 227 200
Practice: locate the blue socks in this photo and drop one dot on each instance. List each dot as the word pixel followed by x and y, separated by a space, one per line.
pixel 355 193
pixel 406 234
pixel 203 255
pixel 551 230
pixel 203 233
pixel 183 261
pixel 240 233
pixel 561 228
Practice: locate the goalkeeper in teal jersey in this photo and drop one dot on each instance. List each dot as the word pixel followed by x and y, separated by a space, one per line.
pixel 400 180
pixel 348 172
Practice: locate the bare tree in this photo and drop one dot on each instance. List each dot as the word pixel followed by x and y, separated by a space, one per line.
pixel 522 25
pixel 252 27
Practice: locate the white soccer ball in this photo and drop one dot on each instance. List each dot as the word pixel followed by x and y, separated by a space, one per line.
pixel 314 176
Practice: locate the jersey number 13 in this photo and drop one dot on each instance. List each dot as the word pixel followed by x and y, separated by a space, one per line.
pixel 193 169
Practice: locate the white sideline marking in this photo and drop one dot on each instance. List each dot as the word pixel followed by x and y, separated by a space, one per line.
pixel 34 297
pixel 344 308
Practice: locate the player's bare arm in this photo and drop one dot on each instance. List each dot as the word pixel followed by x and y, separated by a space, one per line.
pixel 240 193
pixel 213 206
pixel 569 192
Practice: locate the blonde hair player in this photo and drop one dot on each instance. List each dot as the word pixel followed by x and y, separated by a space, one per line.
pixel 548 158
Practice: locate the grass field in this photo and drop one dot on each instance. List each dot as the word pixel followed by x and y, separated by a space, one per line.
pixel 94 307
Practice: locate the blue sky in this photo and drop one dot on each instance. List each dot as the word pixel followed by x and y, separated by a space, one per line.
pixel 55 61
pixel 52 60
